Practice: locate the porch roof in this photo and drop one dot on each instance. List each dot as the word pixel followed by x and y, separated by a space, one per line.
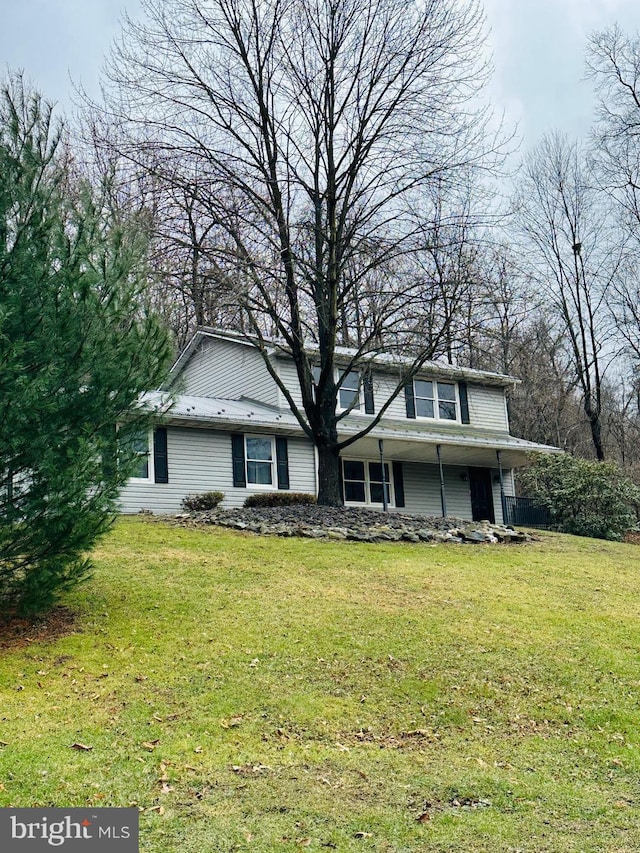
pixel 404 440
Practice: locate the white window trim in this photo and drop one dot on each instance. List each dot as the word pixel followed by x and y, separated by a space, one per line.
pixel 274 481
pixel 150 478
pixel 436 408
pixel 367 482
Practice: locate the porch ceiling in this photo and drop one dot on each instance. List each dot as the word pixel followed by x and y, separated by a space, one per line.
pixel 482 456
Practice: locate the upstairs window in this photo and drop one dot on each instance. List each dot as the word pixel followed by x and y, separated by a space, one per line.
pixel 349 391
pixel 427 398
pixel 356 392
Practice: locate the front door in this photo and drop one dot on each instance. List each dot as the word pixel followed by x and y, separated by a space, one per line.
pixel 481 494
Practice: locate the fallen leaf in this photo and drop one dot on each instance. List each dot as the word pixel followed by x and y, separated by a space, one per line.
pixel 166 788
pixel 3 743
pixel 424 817
pixel 151 744
pixel 364 834
pixel 198 749
pixel 81 747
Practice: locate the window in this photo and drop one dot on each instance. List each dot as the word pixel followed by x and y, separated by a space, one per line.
pixel 141 445
pixel 259 456
pixel 260 460
pixel 447 408
pixel 349 391
pixel 363 481
pixel 429 399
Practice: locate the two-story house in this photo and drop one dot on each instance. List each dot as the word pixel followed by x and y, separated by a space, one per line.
pixel 442 447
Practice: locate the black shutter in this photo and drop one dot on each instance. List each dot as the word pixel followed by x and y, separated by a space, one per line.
pixel 410 400
pixel 367 385
pixel 282 458
pixel 160 456
pixel 464 403
pixel 109 453
pixel 340 478
pixel 237 457
pixel 398 483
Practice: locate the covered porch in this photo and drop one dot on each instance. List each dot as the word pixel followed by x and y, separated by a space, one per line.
pixel 467 476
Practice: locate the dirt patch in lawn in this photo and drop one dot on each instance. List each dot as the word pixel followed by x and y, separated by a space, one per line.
pixel 20 631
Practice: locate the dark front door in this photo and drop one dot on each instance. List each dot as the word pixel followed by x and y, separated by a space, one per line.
pixel 481 494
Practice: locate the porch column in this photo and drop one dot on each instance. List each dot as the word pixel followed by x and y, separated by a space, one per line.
pixel 443 496
pixel 503 502
pixel 385 502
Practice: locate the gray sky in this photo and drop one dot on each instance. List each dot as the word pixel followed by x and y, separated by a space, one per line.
pixel 537 45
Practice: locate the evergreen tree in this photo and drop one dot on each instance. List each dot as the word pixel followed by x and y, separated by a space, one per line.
pixel 77 349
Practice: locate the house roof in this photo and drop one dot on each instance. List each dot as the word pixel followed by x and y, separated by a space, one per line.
pixel 404 440
pixel 383 361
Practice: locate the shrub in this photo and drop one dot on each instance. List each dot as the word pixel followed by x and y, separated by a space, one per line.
pixel 279 499
pixel 203 502
pixel 583 497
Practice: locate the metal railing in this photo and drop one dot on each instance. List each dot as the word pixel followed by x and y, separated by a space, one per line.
pixel 525 512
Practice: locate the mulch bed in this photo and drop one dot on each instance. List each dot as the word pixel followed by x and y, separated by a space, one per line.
pixel 16 632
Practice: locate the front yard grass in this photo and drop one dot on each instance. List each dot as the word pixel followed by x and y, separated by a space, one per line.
pixel 268 694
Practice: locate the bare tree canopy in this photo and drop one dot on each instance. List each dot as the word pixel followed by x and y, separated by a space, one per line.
pixel 575 259
pixel 614 65
pixel 310 134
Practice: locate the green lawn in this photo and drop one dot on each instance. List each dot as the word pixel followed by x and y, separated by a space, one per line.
pixel 271 694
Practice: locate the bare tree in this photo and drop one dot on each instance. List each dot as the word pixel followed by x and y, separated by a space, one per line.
pixel 315 129
pixel 574 261
pixel 613 60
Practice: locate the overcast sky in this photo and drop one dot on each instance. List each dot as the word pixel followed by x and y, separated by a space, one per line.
pixel 537 46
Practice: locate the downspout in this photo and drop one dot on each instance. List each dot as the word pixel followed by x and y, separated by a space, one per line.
pixel 443 497
pixel 503 501
pixel 385 502
pixel 316 465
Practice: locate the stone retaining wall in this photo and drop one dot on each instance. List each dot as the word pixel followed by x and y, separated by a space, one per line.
pixel 348 523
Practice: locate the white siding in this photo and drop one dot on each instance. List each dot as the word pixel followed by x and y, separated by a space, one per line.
pixel 487 408
pixel 200 461
pixel 229 370
pixel 384 384
pixel 422 490
pixel 289 376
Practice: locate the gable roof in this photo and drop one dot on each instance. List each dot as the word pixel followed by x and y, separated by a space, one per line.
pixel 383 361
